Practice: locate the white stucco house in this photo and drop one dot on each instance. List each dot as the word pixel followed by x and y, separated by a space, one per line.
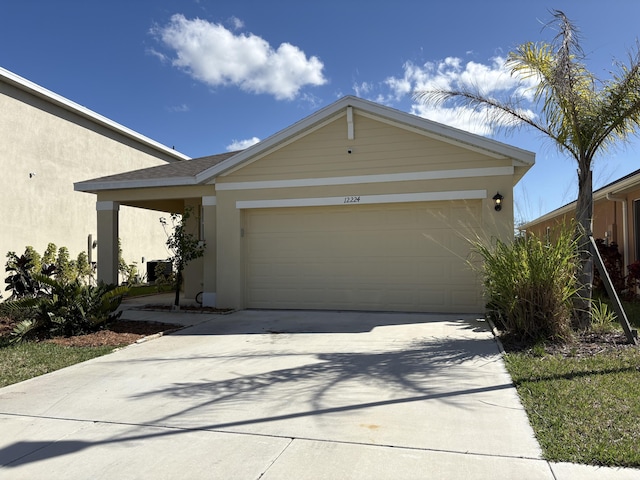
pixel 46 143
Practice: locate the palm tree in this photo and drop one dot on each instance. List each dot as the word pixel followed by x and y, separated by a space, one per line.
pixel 581 114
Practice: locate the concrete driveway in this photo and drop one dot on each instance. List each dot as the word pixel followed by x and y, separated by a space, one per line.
pixel 279 395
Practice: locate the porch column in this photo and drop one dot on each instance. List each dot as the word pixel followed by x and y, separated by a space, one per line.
pixel 209 264
pixel 108 241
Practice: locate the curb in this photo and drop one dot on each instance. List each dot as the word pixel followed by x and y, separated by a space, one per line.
pixel 494 331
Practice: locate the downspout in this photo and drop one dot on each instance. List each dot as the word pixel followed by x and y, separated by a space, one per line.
pixel 625 233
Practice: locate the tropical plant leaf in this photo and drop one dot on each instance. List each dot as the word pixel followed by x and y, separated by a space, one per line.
pixel 23 329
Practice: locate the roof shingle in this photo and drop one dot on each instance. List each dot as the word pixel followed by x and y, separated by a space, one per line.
pixel 184 169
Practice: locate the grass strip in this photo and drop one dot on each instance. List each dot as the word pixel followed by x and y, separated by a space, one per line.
pixel 583 410
pixel 30 359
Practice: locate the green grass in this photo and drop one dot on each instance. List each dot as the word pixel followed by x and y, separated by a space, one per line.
pixel 632 310
pixel 583 410
pixel 30 359
pixel 137 290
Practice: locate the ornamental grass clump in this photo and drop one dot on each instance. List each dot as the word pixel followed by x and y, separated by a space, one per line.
pixel 529 285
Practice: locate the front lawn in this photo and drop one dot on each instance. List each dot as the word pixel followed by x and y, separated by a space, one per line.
pixel 583 408
pixel 30 359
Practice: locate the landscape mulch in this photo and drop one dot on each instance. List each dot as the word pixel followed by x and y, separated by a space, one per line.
pixel 582 345
pixel 115 334
pixel 125 332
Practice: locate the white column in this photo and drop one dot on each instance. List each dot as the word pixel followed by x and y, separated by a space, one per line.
pixel 108 241
pixel 209 204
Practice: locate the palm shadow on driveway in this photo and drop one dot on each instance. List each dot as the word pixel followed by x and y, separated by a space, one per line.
pixel 316 384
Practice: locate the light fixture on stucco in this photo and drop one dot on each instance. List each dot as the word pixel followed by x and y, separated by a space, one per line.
pixel 497 200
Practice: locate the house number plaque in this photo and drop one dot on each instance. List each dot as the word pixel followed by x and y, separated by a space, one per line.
pixel 352 199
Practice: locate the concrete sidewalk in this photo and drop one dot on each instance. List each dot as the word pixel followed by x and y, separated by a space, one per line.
pixel 275 395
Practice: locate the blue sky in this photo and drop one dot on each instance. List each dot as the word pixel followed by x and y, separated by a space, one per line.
pixel 206 76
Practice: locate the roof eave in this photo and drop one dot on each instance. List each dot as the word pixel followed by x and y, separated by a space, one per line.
pixel 66 104
pixel 616 187
pixel 520 158
pixel 97 186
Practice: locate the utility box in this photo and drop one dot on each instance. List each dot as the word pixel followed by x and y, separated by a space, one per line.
pixel 167 269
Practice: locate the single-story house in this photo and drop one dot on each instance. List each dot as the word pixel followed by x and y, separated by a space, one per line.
pixel 46 142
pixel 356 207
pixel 616 217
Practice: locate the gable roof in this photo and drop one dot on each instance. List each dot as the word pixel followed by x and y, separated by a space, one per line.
pixel 522 160
pixel 36 90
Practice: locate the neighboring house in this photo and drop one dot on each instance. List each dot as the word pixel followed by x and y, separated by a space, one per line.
pixel 356 207
pixel 46 143
pixel 616 217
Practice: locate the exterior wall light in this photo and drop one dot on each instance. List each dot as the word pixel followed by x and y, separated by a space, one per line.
pixel 497 199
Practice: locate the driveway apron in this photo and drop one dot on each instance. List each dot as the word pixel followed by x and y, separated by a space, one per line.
pixel 279 394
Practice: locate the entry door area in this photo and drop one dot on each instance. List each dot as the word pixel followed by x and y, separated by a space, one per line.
pixel 391 257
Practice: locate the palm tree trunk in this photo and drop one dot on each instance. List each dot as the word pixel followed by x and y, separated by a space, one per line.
pixel 584 216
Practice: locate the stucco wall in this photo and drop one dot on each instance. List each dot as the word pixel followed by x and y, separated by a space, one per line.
pixel 43 150
pixel 377 149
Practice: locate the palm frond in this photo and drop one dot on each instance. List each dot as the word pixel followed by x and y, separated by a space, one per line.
pixel 23 330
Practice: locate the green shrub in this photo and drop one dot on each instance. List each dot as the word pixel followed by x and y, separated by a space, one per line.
pixel 20 281
pixel 83 267
pixel 64 308
pixel 529 285
pixel 603 317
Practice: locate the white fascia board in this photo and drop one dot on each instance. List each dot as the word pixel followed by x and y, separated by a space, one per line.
pixel 266 151
pixel 453 136
pixel 90 186
pixel 65 103
pixel 379 112
pixel 613 188
pixel 442 132
pixel 619 186
pixel 363 179
pixel 558 211
pixel 282 138
pixel 209 201
pixel 364 199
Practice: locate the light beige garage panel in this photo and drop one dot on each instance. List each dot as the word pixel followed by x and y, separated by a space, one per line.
pixel 394 257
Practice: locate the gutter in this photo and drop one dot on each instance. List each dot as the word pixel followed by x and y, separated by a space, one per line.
pixel 625 232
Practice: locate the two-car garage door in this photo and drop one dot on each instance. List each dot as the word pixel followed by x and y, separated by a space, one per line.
pixel 393 257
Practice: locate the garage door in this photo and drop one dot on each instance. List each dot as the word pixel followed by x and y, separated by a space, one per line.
pixel 392 257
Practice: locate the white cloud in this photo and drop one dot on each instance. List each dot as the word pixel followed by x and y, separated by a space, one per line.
pixel 457 117
pixel 492 80
pixel 216 56
pixel 362 89
pixel 159 55
pixel 242 144
pixel 236 23
pixel 179 108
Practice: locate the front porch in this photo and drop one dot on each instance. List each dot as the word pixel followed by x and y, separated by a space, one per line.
pixel 167 201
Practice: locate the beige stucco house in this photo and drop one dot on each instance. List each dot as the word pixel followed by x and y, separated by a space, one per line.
pixel 616 217
pixel 46 143
pixel 358 207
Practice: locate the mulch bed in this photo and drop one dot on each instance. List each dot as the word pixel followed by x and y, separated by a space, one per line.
pixel 125 332
pixel 583 345
pixel 115 334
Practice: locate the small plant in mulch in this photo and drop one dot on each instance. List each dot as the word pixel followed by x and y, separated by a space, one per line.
pixel 581 345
